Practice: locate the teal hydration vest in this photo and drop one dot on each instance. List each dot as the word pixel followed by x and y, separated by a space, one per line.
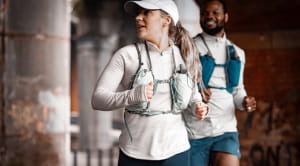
pixel 181 87
pixel 232 67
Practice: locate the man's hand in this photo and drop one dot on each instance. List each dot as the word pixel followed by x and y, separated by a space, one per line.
pixel 249 103
pixel 201 111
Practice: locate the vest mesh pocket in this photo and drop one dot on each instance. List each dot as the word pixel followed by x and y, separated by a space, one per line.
pixel 182 88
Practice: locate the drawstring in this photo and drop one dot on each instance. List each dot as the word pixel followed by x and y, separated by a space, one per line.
pixel 188 128
pixel 145 113
pixel 127 128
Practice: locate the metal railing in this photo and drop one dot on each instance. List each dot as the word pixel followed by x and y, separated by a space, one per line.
pixel 95 157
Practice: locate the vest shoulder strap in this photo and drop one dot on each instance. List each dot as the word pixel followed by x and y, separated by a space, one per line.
pixel 140 65
pixel 139 54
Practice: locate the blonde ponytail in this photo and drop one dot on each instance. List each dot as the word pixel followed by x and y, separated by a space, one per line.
pixel 189 52
pixel 190 55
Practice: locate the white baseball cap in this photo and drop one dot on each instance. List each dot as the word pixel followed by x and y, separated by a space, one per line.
pixel 167 6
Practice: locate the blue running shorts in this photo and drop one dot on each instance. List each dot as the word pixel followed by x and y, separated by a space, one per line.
pixel 201 148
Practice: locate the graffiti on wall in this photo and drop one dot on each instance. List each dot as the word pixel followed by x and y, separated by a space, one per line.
pixel 273 136
pixel 283 154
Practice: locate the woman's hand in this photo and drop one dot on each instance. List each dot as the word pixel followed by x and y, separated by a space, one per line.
pixel 149 91
pixel 201 111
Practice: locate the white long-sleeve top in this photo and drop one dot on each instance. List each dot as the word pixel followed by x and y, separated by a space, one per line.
pixel 153 137
pixel 222 104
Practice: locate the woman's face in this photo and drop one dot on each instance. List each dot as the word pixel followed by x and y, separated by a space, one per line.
pixel 149 24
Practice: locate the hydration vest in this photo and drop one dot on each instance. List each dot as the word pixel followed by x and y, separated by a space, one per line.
pixel 181 87
pixel 232 67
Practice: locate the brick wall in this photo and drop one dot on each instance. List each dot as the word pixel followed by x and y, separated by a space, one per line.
pixel 270 35
pixel 270 136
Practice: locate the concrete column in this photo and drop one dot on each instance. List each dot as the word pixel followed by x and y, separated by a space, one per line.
pixel 99 37
pixel 36 77
pixel 95 126
pixel 105 136
pixel 87 75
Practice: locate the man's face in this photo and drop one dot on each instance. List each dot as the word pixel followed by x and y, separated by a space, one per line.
pixel 213 18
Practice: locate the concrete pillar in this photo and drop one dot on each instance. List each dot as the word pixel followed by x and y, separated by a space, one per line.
pixel 35 119
pixel 95 126
pixel 99 37
pixel 87 76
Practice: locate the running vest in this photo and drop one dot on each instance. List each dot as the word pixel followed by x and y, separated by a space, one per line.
pixel 181 87
pixel 232 67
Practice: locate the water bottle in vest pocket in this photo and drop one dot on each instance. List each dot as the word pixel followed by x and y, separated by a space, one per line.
pixel 182 88
pixel 142 77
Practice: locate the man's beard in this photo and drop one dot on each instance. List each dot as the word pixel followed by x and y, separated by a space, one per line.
pixel 212 31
